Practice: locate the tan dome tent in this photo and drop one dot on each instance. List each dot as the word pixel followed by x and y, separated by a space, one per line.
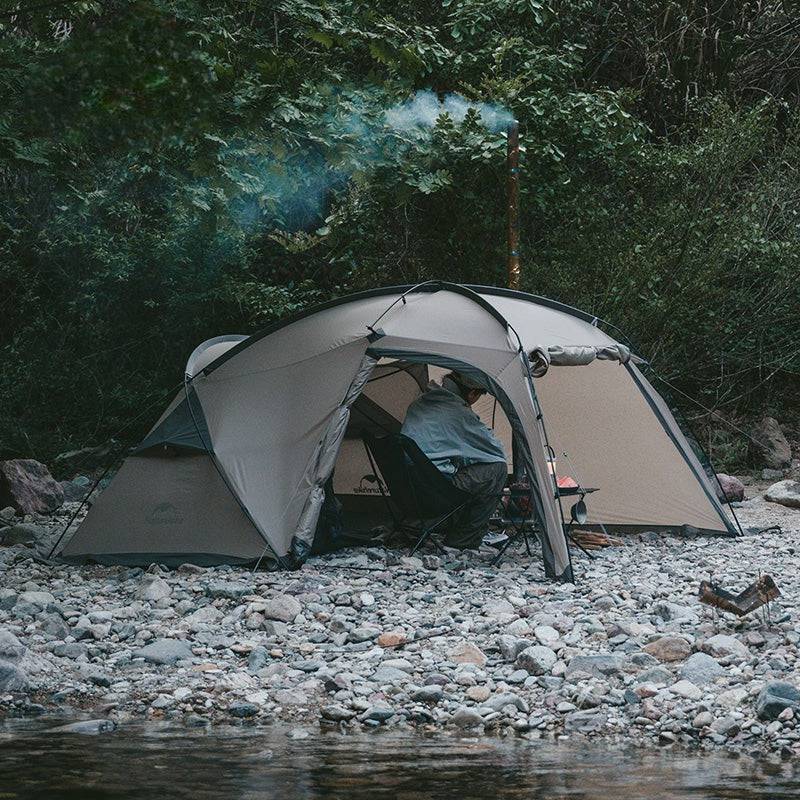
pixel 234 469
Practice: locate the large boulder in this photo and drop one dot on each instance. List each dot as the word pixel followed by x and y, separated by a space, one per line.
pixel 29 487
pixel 729 489
pixel 787 493
pixel 775 697
pixel 769 446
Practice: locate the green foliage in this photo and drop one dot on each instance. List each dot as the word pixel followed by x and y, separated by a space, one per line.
pixel 171 170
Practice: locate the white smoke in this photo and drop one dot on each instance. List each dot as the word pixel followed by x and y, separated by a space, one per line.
pixel 292 191
pixel 425 108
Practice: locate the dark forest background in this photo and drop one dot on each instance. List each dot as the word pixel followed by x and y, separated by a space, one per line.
pixel 171 170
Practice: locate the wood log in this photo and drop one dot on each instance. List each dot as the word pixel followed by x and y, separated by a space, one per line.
pixel 592 540
pixel 754 596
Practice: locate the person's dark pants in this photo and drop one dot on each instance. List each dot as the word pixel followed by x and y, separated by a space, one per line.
pixel 484 482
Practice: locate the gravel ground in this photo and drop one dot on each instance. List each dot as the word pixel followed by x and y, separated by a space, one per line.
pixel 368 638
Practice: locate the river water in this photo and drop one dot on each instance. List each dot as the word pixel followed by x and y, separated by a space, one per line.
pixel 160 761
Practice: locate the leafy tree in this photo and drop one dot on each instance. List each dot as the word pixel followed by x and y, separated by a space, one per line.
pixel 174 169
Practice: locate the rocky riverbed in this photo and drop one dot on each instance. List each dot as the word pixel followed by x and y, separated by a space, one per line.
pixel 367 638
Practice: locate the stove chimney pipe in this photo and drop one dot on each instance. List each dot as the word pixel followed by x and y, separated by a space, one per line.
pixel 512 185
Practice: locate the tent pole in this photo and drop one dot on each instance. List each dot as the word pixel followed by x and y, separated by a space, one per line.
pixel 512 188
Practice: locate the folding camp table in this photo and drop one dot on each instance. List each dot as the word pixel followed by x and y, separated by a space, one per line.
pixel 520 518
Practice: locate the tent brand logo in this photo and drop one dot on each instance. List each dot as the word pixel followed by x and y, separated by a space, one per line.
pixel 364 486
pixel 164 514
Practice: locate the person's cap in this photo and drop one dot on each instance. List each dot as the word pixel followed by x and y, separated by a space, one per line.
pixel 466 381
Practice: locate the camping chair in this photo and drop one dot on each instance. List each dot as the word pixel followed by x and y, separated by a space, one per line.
pixel 418 490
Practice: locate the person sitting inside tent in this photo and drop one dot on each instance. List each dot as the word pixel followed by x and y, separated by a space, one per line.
pixel 453 437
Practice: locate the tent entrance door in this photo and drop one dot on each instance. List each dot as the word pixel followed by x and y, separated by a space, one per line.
pixel 397 380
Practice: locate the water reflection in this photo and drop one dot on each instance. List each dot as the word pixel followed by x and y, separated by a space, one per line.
pixel 152 761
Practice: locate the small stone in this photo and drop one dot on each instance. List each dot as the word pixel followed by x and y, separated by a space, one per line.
pixel 383 675
pixel 378 713
pixel 703 720
pixel 669 648
pixel 510 646
pixel 12 678
pixel 163 701
pixel 282 607
pixel 153 588
pixel 467 653
pixel 546 635
pixel 89 727
pixel 726 726
pixel 39 600
pixel 672 612
pixel 465 717
pixel 203 616
pixel 503 699
pixel 537 660
pixel 605 603
pixel 337 713
pixel 391 639
pixel 164 651
pixel 686 689
pixel 478 693
pixel 733 698
pixel 498 608
pixel 258 659
pixel 11 649
pixel 21 533
pixel 587 721
pixel 723 646
pixel 774 698
pixel 600 665
pixel 243 709
pixel 656 675
pixel 427 694
pixel 701 668
pixel 227 590
pixel 191 569
pixel 362 635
